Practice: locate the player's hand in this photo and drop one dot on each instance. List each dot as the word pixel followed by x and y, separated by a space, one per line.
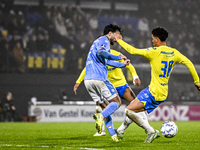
pixel 127 62
pixel 198 86
pixel 76 87
pixel 123 57
pixel 136 81
pixel 117 36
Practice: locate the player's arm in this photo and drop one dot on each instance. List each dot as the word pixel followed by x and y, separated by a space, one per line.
pixel 118 64
pixel 102 52
pixel 79 80
pixel 135 51
pixel 136 80
pixel 146 53
pixel 185 61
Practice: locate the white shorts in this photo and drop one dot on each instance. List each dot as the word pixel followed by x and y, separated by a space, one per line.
pixel 100 90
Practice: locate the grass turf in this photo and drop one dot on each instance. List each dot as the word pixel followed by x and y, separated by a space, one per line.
pixel 80 136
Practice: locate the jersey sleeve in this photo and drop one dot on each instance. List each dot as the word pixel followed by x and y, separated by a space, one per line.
pixel 181 59
pixel 81 76
pixel 146 53
pixel 107 55
pixel 103 45
pixel 115 64
pixel 131 69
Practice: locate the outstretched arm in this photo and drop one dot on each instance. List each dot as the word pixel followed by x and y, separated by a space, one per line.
pixel 185 61
pixel 118 64
pixel 110 56
pixel 132 50
pixel 79 80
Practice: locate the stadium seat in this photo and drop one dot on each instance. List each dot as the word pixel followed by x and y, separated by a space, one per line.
pixel 39 60
pixel 31 61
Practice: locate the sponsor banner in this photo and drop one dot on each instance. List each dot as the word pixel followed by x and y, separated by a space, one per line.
pixel 175 112
pixel 69 113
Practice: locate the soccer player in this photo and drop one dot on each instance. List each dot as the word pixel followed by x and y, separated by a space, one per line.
pixel 117 78
pixel 96 79
pixel 162 60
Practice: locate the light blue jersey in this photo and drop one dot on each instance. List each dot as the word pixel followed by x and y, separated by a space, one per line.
pixel 96 64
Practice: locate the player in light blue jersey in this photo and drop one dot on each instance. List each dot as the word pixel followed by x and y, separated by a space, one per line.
pixel 96 79
pixel 98 57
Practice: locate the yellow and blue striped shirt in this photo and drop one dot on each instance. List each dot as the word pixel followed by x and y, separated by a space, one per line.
pixel 162 60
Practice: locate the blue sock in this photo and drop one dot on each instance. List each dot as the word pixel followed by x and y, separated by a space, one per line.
pixel 110 109
pixel 109 126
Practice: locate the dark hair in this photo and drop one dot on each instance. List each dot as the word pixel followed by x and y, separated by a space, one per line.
pixel 161 33
pixel 112 28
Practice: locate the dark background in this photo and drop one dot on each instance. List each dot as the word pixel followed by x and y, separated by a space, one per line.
pixel 78 19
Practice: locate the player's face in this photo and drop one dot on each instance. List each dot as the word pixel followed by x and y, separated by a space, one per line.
pixel 154 40
pixel 112 38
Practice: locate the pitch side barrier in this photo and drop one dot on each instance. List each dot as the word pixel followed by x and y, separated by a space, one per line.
pixel 83 111
pixel 69 111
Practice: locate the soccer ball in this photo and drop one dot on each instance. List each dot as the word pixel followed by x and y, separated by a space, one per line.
pixel 169 129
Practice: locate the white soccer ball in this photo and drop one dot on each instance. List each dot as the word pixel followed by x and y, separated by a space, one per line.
pixel 169 129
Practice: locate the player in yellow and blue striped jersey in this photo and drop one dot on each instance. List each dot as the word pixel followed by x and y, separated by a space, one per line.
pixel 162 60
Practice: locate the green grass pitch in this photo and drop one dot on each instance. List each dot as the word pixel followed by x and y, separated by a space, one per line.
pixel 79 135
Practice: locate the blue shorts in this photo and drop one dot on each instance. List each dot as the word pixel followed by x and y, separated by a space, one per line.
pixel 149 101
pixel 121 89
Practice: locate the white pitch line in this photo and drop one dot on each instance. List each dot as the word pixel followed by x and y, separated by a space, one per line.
pixel 42 146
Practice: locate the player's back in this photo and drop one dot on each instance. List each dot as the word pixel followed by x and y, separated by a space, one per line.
pixel 95 64
pixel 162 60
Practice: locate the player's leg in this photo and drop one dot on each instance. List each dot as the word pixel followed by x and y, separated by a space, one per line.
pixel 99 110
pixel 132 112
pixel 114 103
pixel 126 93
pixel 109 125
pixel 109 93
pixel 108 119
pixel 144 101
pixel 93 88
pixel 140 117
pixel 112 107
pixel 105 90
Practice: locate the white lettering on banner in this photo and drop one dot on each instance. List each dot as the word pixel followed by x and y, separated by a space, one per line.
pixel 183 116
pixel 195 114
pixel 178 113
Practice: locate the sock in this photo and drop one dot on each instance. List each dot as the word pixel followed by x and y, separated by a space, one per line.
pixel 140 120
pixel 124 125
pixel 110 109
pixel 148 129
pixel 109 126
